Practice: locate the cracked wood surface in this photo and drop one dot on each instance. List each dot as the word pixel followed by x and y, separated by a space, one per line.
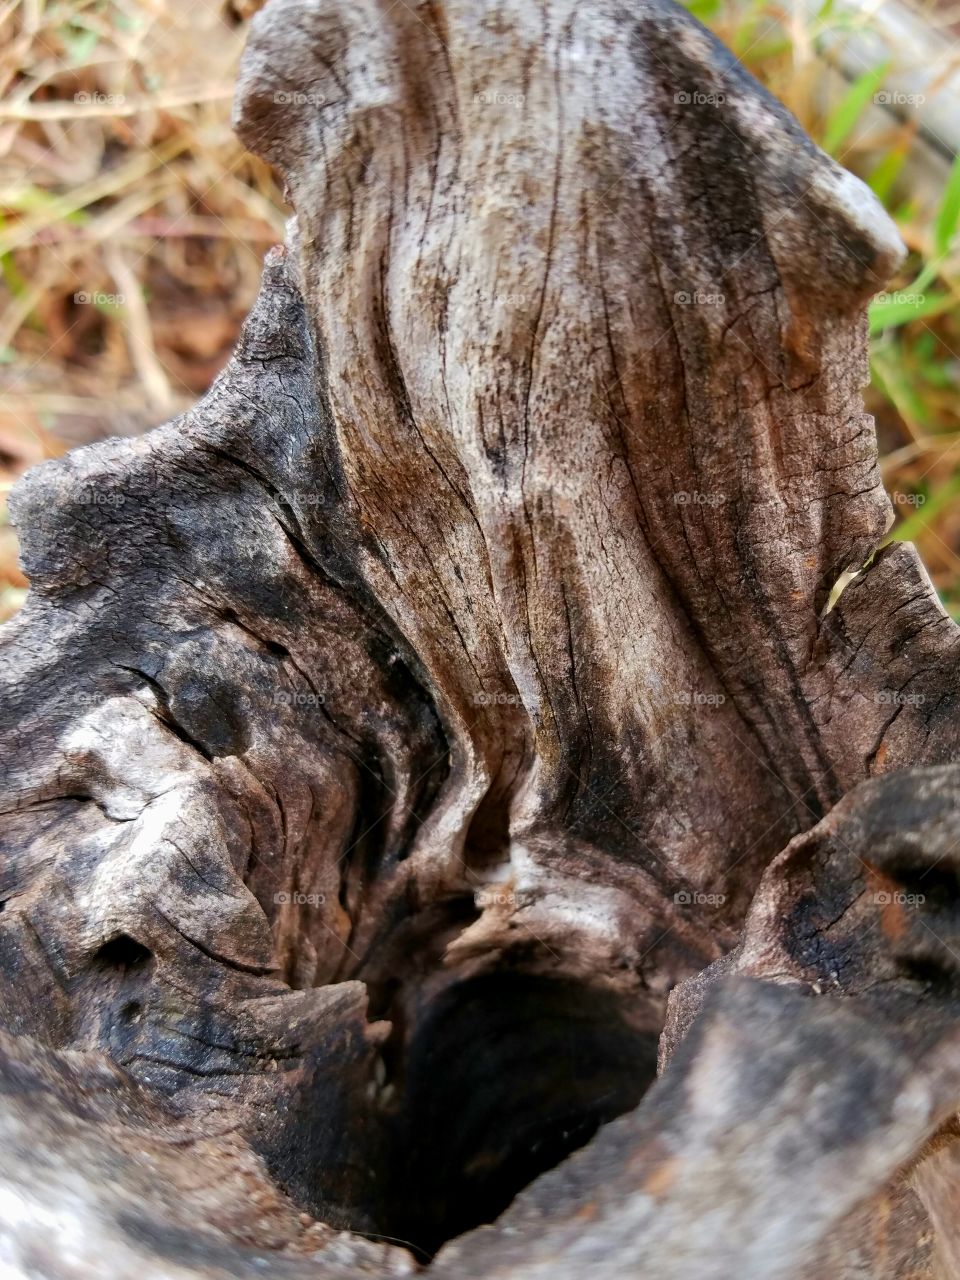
pixel 442 689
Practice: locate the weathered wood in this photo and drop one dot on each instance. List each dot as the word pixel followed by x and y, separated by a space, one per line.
pixel 386 739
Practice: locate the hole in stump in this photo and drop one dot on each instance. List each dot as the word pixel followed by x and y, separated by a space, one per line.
pixel 122 952
pixel 131 1011
pixel 500 1079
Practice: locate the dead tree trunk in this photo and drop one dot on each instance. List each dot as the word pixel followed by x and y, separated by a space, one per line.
pixel 387 739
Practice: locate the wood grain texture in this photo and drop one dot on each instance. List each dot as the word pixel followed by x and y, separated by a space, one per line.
pixel 384 741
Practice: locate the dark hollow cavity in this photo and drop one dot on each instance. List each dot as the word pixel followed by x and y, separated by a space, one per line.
pixel 501 1078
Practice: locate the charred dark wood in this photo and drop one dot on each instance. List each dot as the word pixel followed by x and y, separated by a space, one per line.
pixel 387 739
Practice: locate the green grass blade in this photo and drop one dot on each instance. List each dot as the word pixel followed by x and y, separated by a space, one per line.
pixel 852 106
pixel 886 173
pixel 906 305
pixel 948 214
pixel 921 518
pixel 705 10
pixel 896 386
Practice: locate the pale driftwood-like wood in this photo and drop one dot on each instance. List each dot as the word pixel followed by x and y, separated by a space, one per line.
pixel 384 741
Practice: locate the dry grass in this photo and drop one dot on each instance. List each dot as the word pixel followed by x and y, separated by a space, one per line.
pixel 133 227
pixel 133 223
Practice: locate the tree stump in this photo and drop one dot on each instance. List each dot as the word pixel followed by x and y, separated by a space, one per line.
pixel 449 816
